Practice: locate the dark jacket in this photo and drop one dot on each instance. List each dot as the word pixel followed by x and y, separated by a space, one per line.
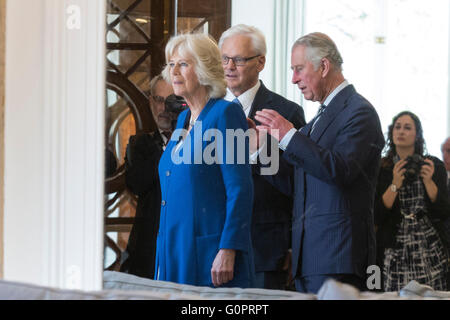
pixel 335 173
pixel 141 173
pixel 272 210
pixel 388 220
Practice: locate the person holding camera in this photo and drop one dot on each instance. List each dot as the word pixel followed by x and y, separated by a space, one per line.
pixel 141 176
pixel 410 204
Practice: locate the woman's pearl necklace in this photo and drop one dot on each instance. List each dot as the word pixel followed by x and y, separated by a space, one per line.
pixel 192 121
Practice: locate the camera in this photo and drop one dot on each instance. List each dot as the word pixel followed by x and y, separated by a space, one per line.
pixel 174 103
pixel 173 106
pixel 413 165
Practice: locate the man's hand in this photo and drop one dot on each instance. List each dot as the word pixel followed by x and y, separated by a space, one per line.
pixel 222 270
pixel 287 266
pixel 257 137
pixel 273 123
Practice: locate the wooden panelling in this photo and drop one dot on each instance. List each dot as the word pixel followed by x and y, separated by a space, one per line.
pixel 218 12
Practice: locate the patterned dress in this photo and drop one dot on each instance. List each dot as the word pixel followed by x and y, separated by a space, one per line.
pixel 419 253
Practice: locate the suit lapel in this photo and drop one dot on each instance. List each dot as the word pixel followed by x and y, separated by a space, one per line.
pixel 262 99
pixel 158 138
pixel 306 129
pixel 331 112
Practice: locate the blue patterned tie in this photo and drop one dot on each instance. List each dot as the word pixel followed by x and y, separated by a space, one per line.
pixel 317 117
pixel 236 100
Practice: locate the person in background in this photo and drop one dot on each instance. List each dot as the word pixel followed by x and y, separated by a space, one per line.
pixel 204 234
pixel 243 51
pixel 336 159
pixel 141 175
pixel 410 204
pixel 445 148
pixel 110 163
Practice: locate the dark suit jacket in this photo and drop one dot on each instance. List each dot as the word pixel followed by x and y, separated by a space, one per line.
pixel 272 210
pixel 335 175
pixel 141 174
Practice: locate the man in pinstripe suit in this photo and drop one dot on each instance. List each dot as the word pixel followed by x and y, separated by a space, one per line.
pixel 336 159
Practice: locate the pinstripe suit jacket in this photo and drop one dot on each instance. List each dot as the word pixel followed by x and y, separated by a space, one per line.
pixel 335 174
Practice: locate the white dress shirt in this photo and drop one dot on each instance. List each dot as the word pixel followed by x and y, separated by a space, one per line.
pixel 164 139
pixel 246 99
pixel 287 138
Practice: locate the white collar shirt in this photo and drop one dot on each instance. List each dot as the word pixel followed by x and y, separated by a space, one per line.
pixel 246 99
pixel 334 93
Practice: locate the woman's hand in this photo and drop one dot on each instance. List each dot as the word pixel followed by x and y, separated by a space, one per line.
pixel 222 270
pixel 427 171
pixel 398 174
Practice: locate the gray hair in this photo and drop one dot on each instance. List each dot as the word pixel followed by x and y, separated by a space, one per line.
pixel 318 46
pixel 443 144
pixel 257 37
pixel 203 50
pixel 153 82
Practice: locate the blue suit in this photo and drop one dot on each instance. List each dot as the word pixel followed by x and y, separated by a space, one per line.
pixel 205 207
pixel 335 176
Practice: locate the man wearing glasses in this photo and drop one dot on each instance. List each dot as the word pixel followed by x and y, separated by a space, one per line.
pixel 243 51
pixel 141 174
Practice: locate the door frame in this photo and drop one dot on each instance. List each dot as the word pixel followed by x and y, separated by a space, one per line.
pixel 2 124
pixel 54 156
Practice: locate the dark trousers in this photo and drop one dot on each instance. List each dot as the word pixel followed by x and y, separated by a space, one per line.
pixel 312 284
pixel 271 280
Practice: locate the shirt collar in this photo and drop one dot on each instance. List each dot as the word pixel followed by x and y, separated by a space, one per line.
pixel 164 139
pixel 162 135
pixel 246 99
pixel 334 93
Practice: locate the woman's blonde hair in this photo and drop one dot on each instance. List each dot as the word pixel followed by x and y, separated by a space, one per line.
pixel 207 59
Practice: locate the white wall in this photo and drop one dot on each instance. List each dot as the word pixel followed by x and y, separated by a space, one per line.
pixel 23 135
pixel 54 118
pixel 281 23
pixel 398 74
pixel 258 13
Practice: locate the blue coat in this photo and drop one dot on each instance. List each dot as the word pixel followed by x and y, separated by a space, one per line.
pixel 335 176
pixel 205 207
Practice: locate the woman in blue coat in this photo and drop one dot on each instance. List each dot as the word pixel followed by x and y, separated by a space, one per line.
pixel 205 176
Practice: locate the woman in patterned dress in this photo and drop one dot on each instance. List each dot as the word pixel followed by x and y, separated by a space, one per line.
pixel 409 209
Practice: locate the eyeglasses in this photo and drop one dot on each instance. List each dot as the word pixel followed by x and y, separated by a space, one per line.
pixel 159 99
pixel 238 61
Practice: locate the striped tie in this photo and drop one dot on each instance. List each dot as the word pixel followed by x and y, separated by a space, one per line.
pixel 167 135
pixel 317 117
